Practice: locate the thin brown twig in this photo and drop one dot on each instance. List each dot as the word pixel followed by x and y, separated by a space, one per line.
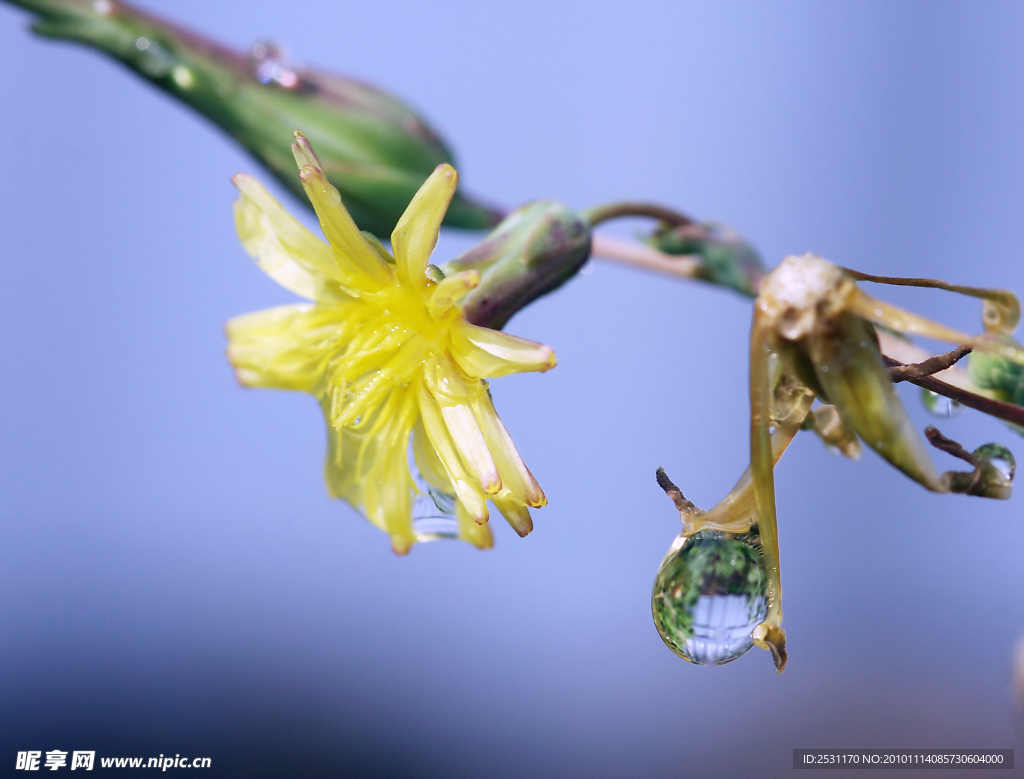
pixel 919 370
pixel 949 446
pixel 682 504
pixel 1008 412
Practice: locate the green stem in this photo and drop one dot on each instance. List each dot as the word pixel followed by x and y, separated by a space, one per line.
pixel 373 148
pixel 610 211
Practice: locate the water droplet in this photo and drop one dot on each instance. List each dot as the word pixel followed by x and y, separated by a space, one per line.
pixel 433 510
pixel 709 595
pixel 270 66
pixel 824 369
pixel 1000 458
pixel 153 59
pixel 939 405
pixel 183 77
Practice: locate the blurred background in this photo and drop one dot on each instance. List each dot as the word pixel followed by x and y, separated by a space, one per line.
pixel 173 577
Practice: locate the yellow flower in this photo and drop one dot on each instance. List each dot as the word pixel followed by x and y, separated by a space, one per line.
pixel 386 350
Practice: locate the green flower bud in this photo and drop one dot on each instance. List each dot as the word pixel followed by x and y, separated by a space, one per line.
pixel 374 149
pixel 995 372
pixel 726 258
pixel 709 595
pixel 536 249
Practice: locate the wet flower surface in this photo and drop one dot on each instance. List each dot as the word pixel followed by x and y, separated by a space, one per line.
pixel 384 346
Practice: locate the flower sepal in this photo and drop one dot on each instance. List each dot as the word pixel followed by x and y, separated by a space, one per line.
pixel 534 250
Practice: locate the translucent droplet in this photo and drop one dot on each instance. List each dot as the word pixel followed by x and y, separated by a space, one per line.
pixel 433 510
pixel 270 66
pixel 709 595
pixel 1000 458
pixel 939 405
pixel 153 59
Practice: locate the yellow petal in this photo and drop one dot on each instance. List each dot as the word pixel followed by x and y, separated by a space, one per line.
pixel 437 431
pixel 388 488
pixel 429 464
pixel 302 151
pixel 469 530
pixel 487 354
pixel 358 262
pixel 286 251
pixel 517 515
pixel 285 347
pixel 346 447
pixel 449 390
pixel 516 477
pixel 447 293
pixel 415 235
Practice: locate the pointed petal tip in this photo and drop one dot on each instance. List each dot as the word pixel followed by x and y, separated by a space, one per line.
pixel 549 359
pixel 493 485
pixel 303 152
pixel 401 545
pixel 445 169
pixel 244 376
pixel 523 530
pixel 517 515
pixel 482 541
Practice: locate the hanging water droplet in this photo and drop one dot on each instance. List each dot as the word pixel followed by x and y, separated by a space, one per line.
pixel 1000 458
pixel 270 66
pixel 433 510
pixel 709 595
pixel 939 405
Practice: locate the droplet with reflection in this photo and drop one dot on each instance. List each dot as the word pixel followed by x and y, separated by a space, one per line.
pixel 709 595
pixel 433 510
pixel 939 405
pixel 1000 458
pixel 270 66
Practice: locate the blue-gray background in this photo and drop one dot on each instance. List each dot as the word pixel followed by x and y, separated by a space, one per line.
pixel 174 578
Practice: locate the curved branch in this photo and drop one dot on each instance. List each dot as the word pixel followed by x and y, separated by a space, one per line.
pixel 1008 412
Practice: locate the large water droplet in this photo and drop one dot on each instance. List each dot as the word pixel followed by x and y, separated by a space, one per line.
pixel 709 595
pixel 939 405
pixel 1000 458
